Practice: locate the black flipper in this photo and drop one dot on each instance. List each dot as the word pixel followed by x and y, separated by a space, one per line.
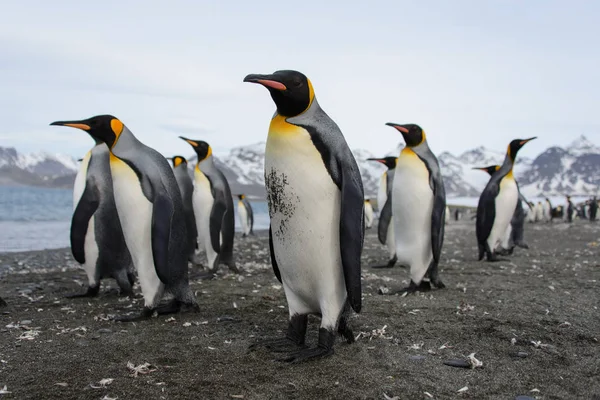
pixel 273 259
pixel 87 206
pixel 162 215
pixel 217 213
pixel 486 213
pixel 385 217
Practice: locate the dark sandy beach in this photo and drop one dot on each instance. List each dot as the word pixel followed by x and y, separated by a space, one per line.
pixel 533 322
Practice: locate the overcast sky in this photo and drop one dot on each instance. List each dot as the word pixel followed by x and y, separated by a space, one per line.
pixel 469 72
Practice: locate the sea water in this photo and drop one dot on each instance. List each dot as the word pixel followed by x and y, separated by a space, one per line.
pixel 40 218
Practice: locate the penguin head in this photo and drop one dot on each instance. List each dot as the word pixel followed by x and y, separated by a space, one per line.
pixel 413 134
pixel 291 91
pixel 515 146
pixel 490 169
pixel 241 196
pixel 367 200
pixel 103 128
pixel 202 149
pixel 389 162
pixel 177 161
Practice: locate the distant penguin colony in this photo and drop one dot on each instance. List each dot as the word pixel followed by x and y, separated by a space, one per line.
pixel 135 216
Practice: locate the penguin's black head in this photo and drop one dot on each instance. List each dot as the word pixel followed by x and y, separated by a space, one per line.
pixel 201 148
pixel 241 196
pixel 413 134
pixel 178 160
pixel 389 162
pixel 291 91
pixel 490 169
pixel 515 146
pixel 103 128
pixel 367 200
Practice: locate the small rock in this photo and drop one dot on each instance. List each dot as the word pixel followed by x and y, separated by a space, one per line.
pixel 25 322
pixel 104 330
pixel 524 398
pixel 417 357
pixel 522 354
pixel 458 363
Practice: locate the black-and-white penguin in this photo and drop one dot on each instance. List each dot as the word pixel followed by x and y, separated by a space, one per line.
pixel 151 213
pixel 385 228
pixel 246 215
pixel 213 208
pixel 418 207
pixel 593 209
pixel 514 235
pixel 186 187
pixel 570 209
pixel 368 214
pixel 97 240
pixel 497 204
pixel 315 251
pixel 547 209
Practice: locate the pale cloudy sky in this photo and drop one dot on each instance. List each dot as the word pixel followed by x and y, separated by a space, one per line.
pixel 469 72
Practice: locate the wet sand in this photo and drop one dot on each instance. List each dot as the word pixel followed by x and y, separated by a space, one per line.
pixel 533 321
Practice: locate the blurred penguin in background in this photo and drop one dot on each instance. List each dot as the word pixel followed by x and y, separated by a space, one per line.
pixel 547 210
pixel 539 212
pixel 530 212
pixel 368 214
pixel 593 209
pixel 570 209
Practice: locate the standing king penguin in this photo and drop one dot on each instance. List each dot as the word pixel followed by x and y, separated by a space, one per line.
pixel 497 204
pixel 186 187
pixel 418 206
pixel 385 229
pixel 213 208
pixel 515 231
pixel 315 198
pixel 97 240
pixel 368 214
pixel 151 213
pixel 246 215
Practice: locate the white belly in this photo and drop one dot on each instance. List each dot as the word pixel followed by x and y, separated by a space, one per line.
pixel 203 203
pixel 412 207
pixel 243 215
pixel 304 204
pixel 368 215
pixel 539 213
pixel 505 204
pixel 135 214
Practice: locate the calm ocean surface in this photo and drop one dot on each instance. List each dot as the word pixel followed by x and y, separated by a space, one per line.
pixel 40 218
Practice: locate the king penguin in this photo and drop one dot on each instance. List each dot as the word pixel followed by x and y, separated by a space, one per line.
pixel 186 187
pixel 547 210
pixel 97 240
pixel 246 215
pixel 418 207
pixel 151 213
pixel 497 204
pixel 213 208
pixel 514 235
pixel 315 196
pixel 368 214
pixel 385 229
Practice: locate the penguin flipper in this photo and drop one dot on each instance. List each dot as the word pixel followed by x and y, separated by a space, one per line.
pixel 162 215
pixel 87 206
pixel 250 215
pixel 273 259
pixel 438 221
pixel 352 232
pixel 217 214
pixel 385 216
pixel 486 211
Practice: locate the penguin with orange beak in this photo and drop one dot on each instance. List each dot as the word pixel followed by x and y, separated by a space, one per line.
pixel 497 204
pixel 151 213
pixel 315 251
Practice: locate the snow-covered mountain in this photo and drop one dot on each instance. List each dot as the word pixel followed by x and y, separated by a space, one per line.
pixel 573 170
pixel 36 169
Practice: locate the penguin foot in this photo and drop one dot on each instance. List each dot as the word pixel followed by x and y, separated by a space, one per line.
pixel 92 291
pixel 146 313
pixel 172 307
pixel 233 268
pixel 324 349
pixel 204 275
pixel 294 338
pixel 523 245
pixel 424 286
pixel 505 252
pixel 345 331
pixel 438 283
pixel 390 263
pixel 494 258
